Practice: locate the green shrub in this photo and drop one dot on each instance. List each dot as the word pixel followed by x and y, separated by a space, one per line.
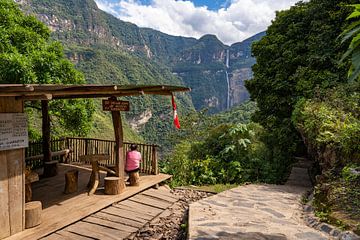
pixel 230 153
pixel 331 122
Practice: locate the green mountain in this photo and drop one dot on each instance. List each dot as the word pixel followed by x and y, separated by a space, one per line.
pixel 109 50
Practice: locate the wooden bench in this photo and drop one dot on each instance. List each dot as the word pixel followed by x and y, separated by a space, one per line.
pixel 50 168
pixel 64 154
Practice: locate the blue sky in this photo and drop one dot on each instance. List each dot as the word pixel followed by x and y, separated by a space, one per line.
pixel 230 20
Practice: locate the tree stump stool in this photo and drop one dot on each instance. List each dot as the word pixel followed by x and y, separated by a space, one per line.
pixel 134 179
pixel 71 181
pixel 32 214
pixel 112 185
pixel 50 169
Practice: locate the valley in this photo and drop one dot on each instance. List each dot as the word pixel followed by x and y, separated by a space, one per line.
pixel 110 51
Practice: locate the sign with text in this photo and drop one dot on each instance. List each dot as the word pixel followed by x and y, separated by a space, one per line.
pixel 116 105
pixel 13 131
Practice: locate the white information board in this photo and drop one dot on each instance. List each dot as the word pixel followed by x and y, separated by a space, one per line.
pixel 13 131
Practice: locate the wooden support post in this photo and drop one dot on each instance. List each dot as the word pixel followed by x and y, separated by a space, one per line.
pixel 12 180
pixel 95 178
pixel 49 171
pixel 155 166
pixel 46 130
pixel 119 147
pixel 50 168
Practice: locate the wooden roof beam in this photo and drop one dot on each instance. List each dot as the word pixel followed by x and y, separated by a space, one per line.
pixel 35 97
pixel 43 92
pixel 8 88
pixel 75 88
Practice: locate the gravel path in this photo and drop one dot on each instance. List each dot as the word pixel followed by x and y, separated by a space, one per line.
pixel 252 212
pixel 255 212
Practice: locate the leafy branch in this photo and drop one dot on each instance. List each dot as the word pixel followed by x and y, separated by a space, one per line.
pixel 353 32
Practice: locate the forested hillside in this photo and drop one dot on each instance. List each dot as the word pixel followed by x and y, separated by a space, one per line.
pixel 28 55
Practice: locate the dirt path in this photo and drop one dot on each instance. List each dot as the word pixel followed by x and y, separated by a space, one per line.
pixel 255 212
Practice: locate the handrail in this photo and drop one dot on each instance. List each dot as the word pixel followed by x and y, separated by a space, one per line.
pixel 82 146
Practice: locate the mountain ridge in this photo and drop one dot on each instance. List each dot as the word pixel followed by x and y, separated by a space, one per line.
pixel 111 51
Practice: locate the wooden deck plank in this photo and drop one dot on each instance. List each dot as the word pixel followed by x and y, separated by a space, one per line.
pixel 135 213
pixel 161 192
pixel 117 219
pixel 122 213
pixel 131 205
pixel 158 196
pixel 78 205
pixel 110 224
pixel 72 236
pixel 150 201
pixel 54 236
pixel 94 231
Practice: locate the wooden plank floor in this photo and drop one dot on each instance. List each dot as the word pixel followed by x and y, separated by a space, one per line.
pixel 121 219
pixel 60 210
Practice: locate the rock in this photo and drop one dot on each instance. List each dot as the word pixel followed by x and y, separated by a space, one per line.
pixel 348 236
pixel 308 208
pixel 326 228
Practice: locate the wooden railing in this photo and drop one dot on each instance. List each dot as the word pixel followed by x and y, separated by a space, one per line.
pixel 84 146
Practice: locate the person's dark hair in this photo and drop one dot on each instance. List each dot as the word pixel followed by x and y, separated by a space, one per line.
pixel 133 147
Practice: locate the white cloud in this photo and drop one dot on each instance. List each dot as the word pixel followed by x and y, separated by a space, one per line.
pixel 240 20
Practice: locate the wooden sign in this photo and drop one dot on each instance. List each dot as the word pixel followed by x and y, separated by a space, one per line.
pixel 115 105
pixel 13 131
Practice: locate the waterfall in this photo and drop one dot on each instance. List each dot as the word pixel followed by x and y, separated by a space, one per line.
pixel 227 58
pixel 228 93
pixel 227 79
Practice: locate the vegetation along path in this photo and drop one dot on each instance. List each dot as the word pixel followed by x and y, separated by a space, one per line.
pixel 255 212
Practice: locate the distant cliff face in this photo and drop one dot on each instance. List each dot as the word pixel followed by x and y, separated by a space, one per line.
pixel 109 50
pixel 216 72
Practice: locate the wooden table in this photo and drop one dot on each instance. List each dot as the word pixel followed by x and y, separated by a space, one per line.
pixel 94 159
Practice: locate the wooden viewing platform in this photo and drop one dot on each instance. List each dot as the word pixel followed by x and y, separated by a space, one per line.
pixel 61 210
pixel 15 141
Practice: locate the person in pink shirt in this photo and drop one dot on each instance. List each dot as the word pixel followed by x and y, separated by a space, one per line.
pixel 133 158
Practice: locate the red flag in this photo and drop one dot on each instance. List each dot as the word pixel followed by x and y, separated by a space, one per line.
pixel 176 118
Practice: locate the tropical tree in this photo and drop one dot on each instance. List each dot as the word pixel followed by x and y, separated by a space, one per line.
pixel 28 55
pixel 353 32
pixel 296 59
